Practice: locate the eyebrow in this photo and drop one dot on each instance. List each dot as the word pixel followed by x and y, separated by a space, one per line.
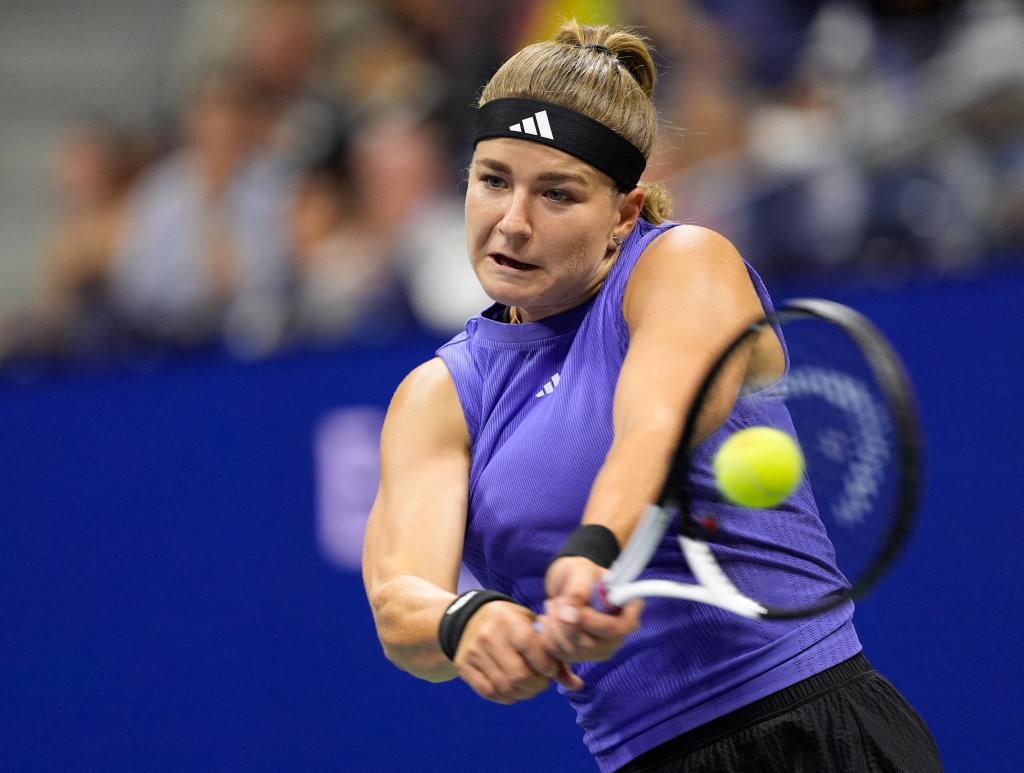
pixel 556 177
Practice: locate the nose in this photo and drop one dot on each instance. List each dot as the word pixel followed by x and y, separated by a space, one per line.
pixel 515 221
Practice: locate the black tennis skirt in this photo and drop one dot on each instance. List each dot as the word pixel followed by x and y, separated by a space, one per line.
pixel 847 719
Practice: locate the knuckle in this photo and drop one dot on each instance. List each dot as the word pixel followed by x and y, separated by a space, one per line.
pixel 522 637
pixel 522 676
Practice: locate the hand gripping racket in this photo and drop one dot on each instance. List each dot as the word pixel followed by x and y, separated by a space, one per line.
pixel 849 402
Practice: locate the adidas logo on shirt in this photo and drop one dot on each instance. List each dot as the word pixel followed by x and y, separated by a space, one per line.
pixel 549 387
pixel 539 127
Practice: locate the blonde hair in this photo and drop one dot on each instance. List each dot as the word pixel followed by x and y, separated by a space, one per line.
pixel 615 90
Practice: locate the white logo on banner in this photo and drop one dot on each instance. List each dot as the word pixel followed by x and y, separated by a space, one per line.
pixel 346 444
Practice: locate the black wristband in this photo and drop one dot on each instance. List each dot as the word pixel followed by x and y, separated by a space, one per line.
pixel 453 621
pixel 592 541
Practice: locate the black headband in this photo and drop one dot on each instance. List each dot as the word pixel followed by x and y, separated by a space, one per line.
pixel 566 130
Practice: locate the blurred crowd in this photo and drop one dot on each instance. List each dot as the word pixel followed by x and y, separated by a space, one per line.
pixel 305 184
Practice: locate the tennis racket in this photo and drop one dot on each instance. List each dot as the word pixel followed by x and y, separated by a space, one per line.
pixel 844 397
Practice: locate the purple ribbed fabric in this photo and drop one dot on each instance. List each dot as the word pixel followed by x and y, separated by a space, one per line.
pixel 537 398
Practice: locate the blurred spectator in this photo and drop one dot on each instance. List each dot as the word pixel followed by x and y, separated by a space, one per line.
pixel 357 230
pixel 860 152
pixel 206 246
pixel 345 281
pixel 379 69
pixel 409 193
pixel 701 154
pixel 94 167
pixel 283 46
pixel 283 50
pixel 315 190
pixel 464 46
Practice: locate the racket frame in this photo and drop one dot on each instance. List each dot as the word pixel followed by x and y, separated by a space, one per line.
pixel 674 502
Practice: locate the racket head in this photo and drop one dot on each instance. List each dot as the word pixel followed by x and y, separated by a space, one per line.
pixel 844 396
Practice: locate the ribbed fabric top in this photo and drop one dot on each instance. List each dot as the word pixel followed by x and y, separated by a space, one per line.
pixel 537 398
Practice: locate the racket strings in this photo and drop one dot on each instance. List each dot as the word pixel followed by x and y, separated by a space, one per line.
pixel 825 376
pixel 832 529
pixel 842 421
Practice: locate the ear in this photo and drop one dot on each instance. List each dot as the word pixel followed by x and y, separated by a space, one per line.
pixel 627 212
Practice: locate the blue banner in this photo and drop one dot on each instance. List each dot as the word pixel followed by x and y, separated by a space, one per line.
pixel 179 585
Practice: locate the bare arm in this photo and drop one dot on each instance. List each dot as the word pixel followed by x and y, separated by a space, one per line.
pixel 413 548
pixel 688 296
pixel 414 535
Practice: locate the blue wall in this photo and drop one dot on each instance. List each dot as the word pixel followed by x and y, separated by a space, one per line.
pixel 164 605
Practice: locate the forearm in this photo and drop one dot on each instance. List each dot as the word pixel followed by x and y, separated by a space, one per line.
pixel 630 478
pixel 406 610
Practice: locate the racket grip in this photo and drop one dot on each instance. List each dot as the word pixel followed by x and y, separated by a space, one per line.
pixel 599 600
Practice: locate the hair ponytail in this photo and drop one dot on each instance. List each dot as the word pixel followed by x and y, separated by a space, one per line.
pixel 605 73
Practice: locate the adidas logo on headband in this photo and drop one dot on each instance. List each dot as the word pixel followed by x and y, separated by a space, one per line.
pixel 578 135
pixel 528 126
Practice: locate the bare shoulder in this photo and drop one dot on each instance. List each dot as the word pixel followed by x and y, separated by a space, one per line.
pixel 428 380
pixel 691 251
pixel 426 408
pixel 690 269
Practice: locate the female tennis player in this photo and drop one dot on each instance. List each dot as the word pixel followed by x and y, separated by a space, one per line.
pixel 529 446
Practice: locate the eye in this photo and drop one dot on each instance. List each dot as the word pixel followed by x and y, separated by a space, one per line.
pixel 492 181
pixel 558 196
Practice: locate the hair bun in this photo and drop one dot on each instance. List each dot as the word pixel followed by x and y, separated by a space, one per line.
pixel 631 49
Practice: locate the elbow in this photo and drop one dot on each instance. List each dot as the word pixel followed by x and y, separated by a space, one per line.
pixel 409 647
pixel 429 666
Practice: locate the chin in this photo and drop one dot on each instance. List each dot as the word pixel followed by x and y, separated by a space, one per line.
pixel 505 297
pixel 505 292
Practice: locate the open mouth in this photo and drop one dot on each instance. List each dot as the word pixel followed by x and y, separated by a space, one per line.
pixel 507 262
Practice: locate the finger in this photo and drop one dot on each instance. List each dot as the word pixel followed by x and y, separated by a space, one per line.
pixel 578 589
pixel 570 619
pixel 479 659
pixel 568 678
pixel 585 643
pixel 481 643
pixel 572 646
pixel 532 685
pixel 481 685
pixel 567 610
pixel 534 651
pixel 495 674
pixel 562 610
pixel 539 652
pixel 556 641
pixel 525 680
pixel 513 675
pixel 541 661
pixel 607 627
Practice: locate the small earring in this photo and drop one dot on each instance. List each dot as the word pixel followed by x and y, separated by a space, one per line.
pixel 617 240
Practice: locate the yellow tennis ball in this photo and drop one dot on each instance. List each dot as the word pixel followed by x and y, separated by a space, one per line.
pixel 758 467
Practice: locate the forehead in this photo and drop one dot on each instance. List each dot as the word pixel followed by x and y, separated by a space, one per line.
pixel 530 159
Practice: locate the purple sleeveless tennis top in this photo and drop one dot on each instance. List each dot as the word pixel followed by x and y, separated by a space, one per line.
pixel 537 398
